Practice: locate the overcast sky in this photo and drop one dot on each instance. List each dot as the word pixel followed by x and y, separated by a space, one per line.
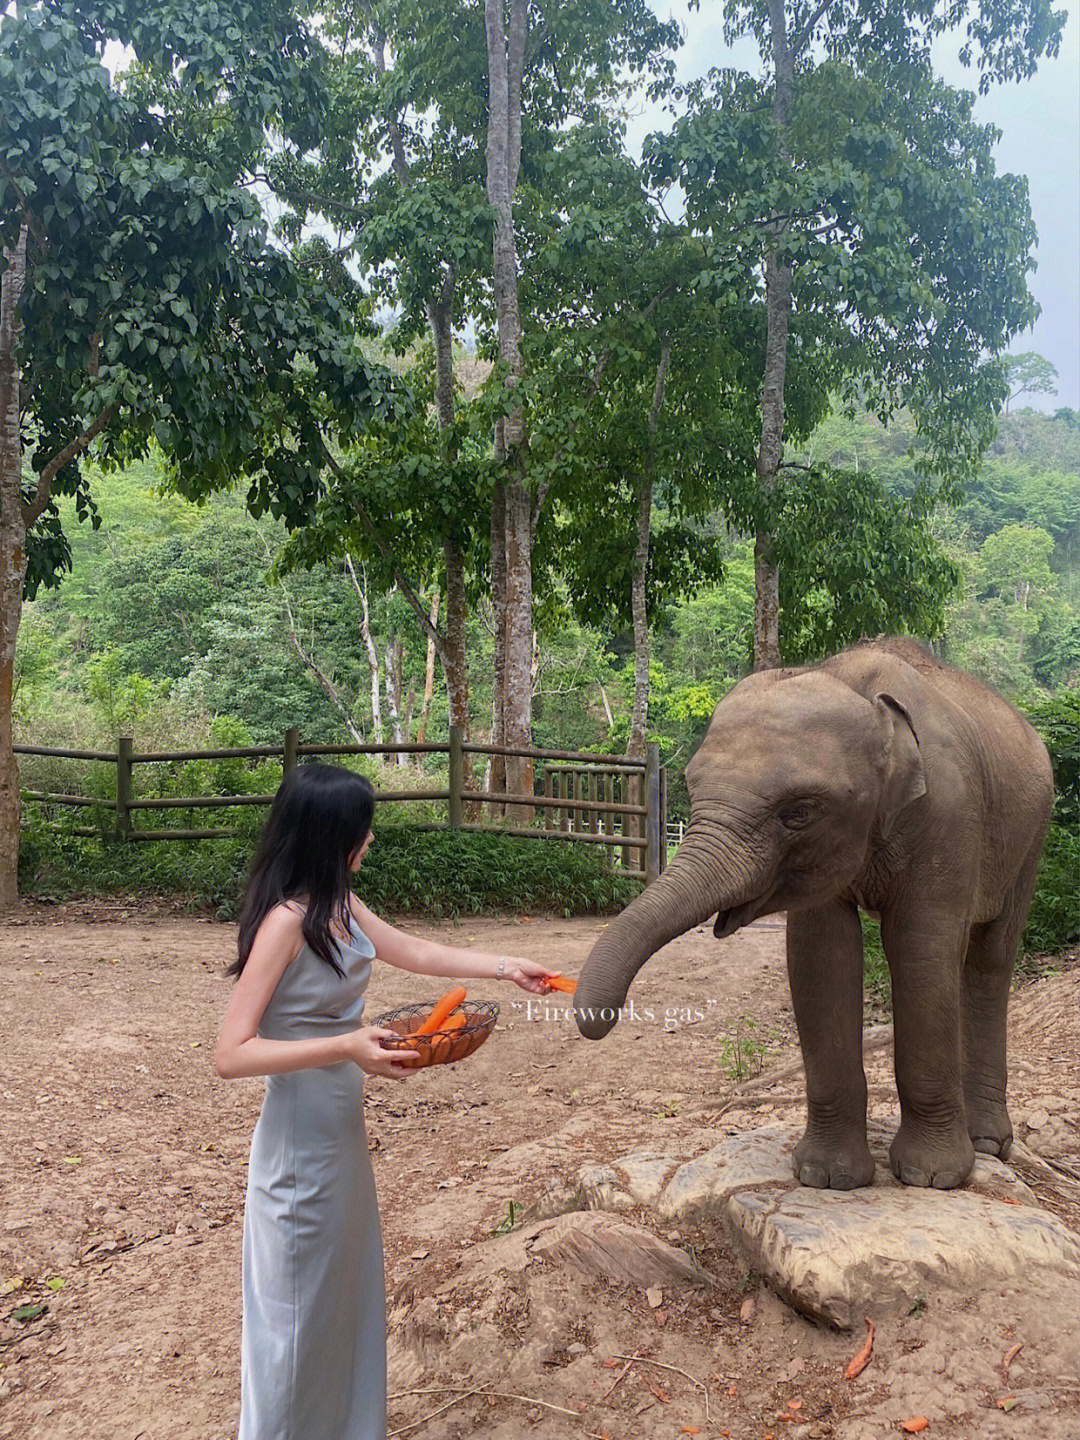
pixel 1040 124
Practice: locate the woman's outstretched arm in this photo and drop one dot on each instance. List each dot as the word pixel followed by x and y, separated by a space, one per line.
pixel 429 957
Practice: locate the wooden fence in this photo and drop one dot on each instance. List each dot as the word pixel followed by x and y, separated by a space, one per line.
pixel 606 800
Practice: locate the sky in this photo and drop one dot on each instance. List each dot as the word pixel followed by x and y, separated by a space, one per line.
pixel 1040 124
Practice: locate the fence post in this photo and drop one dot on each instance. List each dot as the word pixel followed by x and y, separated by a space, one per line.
pixel 655 838
pixel 457 776
pixel 123 787
pixel 289 755
pixel 663 817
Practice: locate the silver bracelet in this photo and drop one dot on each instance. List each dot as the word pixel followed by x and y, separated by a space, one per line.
pixel 500 966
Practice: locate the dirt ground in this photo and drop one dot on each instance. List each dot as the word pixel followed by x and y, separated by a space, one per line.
pixel 124 1163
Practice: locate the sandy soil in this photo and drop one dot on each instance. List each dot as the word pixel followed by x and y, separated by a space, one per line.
pixel 123 1183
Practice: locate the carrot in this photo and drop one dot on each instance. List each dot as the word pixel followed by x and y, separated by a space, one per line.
pixel 450 1001
pixel 916 1424
pixel 1008 1358
pixel 860 1361
pixel 561 982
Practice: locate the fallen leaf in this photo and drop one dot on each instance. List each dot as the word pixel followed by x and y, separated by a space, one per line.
pixel 72 1159
pixel 731 1390
pixel 1007 1403
pixel 690 1430
pixel 56 1283
pixel 746 1310
pixel 653 1390
pixel 859 1362
pixel 25 1313
pixel 915 1424
pixel 661 1318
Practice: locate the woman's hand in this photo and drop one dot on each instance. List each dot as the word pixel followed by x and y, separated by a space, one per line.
pixel 528 974
pixel 362 1048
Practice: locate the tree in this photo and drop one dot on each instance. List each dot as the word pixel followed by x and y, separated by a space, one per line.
pixel 856 197
pixel 1028 374
pixel 140 301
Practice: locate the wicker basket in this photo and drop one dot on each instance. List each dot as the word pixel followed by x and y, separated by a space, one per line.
pixel 442 1047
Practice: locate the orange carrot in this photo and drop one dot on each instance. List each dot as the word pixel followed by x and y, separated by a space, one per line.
pixel 1008 1358
pixel 561 982
pixel 860 1361
pixel 450 1001
pixel 916 1424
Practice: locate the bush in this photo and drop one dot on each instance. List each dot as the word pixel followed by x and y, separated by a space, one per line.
pixel 1054 921
pixel 437 872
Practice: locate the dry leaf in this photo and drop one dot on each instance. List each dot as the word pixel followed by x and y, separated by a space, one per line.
pixel 915 1424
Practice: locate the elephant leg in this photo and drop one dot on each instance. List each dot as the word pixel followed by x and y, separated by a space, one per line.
pixel 987 975
pixel 925 948
pixel 824 953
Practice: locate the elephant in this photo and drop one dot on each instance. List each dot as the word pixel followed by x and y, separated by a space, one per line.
pixel 885 780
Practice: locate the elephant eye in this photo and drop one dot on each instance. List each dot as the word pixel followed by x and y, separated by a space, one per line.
pixel 798 814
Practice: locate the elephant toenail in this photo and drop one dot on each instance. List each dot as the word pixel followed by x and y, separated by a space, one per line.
pixel 910 1176
pixel 815 1176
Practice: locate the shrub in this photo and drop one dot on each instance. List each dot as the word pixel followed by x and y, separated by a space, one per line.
pixel 438 872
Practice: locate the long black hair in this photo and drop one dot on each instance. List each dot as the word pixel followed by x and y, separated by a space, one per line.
pixel 319 818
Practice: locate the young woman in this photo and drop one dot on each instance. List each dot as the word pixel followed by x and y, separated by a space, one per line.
pixel 313 1362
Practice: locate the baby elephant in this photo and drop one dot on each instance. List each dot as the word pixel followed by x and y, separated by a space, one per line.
pixel 879 779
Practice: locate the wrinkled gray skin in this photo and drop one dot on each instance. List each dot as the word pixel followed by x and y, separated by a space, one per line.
pixel 879 779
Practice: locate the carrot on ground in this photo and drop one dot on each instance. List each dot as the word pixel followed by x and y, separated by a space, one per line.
pixel 1008 1358
pixel 860 1361
pixel 450 1001
pixel 916 1424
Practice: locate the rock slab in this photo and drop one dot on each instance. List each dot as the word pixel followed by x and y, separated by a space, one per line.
pixel 837 1256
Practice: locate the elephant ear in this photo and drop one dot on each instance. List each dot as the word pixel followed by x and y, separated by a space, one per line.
pixel 904 780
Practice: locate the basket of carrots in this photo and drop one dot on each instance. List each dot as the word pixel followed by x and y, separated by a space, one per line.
pixel 441 1034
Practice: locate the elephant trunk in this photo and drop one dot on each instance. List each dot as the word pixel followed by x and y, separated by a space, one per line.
pixel 706 875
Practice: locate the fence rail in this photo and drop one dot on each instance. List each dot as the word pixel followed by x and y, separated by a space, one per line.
pixel 615 801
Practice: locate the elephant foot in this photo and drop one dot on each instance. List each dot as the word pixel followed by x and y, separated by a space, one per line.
pixel 991 1131
pixel 930 1158
pixel 826 1164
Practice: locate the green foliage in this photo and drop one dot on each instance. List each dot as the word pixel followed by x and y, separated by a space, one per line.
pixel 154 305
pixel 856 561
pixel 434 873
pixel 743 1051
pixel 1054 920
pixel 1058 722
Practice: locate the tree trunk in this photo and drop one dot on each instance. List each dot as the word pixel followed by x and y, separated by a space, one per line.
pixel 639 716
pixel 361 588
pixel 777 312
pixel 495 780
pixel 514 536
pixel 12 562
pixel 392 681
pixel 429 673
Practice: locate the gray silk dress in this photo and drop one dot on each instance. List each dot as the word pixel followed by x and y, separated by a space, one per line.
pixel 313 1346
